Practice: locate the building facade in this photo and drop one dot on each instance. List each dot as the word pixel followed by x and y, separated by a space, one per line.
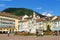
pixel 8 23
pixel 27 23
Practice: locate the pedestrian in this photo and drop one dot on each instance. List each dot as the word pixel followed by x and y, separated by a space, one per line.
pixel 36 32
pixel 8 33
pixel 42 34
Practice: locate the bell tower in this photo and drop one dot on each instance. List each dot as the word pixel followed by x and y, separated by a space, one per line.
pixel 34 15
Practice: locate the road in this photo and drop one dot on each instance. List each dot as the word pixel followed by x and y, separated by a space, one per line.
pixel 18 37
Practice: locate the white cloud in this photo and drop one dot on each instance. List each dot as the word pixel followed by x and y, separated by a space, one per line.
pixel 44 13
pixel 6 0
pixel 2 5
pixel 49 13
pixel 39 8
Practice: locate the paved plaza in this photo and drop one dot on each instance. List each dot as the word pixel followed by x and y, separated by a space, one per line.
pixel 18 37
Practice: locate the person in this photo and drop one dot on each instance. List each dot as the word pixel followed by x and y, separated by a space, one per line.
pixel 42 34
pixel 8 33
pixel 36 32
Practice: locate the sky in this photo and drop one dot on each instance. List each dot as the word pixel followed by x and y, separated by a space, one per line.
pixel 40 6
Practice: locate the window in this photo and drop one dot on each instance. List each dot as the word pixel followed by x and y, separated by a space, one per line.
pixel 54 27
pixel 40 28
pixel 58 22
pixel 54 23
pixel 21 25
pixel 41 23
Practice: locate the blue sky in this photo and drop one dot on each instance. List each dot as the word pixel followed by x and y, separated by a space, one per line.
pixel 41 6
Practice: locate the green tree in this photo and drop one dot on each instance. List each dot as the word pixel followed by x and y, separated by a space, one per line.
pixel 48 28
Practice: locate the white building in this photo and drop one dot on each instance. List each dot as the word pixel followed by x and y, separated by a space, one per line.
pixel 56 24
pixel 30 24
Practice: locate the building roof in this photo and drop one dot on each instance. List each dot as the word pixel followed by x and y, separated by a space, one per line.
pixel 8 15
pixel 25 20
pixel 57 19
pixel 39 19
pixel 49 18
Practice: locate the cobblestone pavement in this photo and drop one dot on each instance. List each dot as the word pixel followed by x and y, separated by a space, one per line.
pixel 17 37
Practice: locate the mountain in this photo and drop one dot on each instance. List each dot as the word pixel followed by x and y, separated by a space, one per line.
pixel 21 11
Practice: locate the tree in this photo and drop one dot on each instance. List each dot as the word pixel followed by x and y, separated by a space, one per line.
pixel 48 28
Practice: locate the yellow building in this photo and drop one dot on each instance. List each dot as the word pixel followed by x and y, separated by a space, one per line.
pixel 8 22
